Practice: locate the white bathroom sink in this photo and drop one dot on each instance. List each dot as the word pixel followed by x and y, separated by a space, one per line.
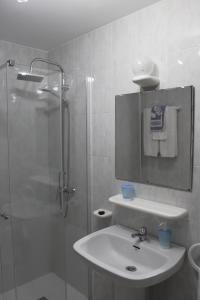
pixel 111 250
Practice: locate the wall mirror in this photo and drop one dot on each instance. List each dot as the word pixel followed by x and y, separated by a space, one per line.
pixel 154 137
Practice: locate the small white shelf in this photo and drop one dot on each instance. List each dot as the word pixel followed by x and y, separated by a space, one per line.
pixel 166 211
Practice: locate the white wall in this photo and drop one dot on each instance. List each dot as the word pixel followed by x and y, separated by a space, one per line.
pixel 76 66
pixel 166 31
pixel 21 54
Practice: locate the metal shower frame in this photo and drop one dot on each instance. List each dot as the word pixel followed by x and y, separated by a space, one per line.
pixel 64 184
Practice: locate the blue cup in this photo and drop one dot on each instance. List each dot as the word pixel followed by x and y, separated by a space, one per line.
pixel 128 191
pixel 164 236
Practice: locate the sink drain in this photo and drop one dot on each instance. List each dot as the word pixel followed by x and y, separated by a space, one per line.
pixel 131 268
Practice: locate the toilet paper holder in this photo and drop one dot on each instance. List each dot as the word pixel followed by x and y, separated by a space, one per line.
pixel 102 213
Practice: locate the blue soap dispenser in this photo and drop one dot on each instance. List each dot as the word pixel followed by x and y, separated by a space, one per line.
pixel 164 235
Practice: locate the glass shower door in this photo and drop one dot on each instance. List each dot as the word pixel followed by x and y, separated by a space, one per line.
pixel 7 279
pixel 38 226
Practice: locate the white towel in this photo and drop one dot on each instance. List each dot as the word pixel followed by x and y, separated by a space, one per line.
pixel 169 146
pixel 151 147
pixel 160 135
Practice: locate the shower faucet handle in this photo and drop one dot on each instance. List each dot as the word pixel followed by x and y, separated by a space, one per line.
pixel 4 216
pixel 68 190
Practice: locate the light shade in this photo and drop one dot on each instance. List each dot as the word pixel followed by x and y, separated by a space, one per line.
pixel 22 1
pixel 143 66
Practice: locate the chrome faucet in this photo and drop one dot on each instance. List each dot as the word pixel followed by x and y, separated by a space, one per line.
pixel 141 233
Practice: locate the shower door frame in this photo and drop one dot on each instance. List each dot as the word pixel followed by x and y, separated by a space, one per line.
pixel 5 217
pixel 10 63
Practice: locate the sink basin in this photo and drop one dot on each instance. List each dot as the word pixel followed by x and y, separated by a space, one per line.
pixel 111 251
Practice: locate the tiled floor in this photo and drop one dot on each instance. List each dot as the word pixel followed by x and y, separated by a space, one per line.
pixel 49 286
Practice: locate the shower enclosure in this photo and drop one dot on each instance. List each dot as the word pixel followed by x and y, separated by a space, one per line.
pixel 38 223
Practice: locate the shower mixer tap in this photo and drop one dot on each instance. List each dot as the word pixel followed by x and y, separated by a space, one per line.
pixel 64 193
pixel 4 216
pixel 68 190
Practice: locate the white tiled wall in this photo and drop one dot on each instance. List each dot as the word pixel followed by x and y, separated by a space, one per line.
pixel 166 32
pixel 76 62
pixel 21 54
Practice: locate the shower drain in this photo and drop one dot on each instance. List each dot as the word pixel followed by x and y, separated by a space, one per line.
pixel 131 268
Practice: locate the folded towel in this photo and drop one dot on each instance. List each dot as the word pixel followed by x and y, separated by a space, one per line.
pixel 169 146
pixel 157 117
pixel 160 134
pixel 151 147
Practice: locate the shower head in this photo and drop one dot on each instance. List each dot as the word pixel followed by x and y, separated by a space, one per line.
pixel 29 77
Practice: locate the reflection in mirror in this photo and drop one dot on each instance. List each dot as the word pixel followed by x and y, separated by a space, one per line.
pixel 154 133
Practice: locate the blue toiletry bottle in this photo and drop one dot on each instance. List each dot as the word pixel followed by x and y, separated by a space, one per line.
pixel 164 235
